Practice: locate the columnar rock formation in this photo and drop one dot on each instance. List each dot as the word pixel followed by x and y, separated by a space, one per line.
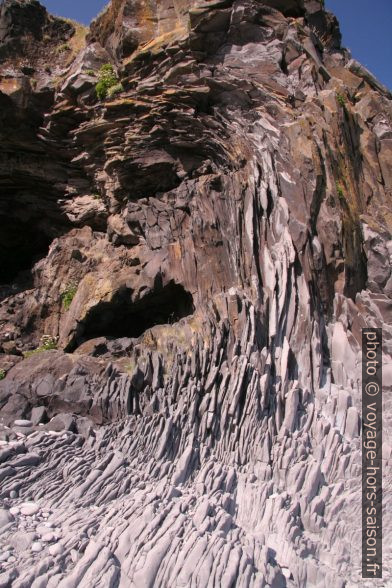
pixel 185 271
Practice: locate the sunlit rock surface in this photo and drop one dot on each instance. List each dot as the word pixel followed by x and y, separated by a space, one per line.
pixel 200 253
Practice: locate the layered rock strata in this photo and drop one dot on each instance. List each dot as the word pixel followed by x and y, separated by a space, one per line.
pixel 186 268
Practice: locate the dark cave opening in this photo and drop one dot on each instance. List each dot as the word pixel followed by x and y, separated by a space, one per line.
pixel 123 318
pixel 21 246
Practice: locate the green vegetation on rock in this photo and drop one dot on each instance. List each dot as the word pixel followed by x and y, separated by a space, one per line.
pixel 63 48
pixel 47 343
pixel 108 84
pixel 68 295
pixel 2 374
pixel 340 191
pixel 341 99
pixel 115 90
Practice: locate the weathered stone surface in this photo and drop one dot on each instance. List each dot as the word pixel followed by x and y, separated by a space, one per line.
pixel 186 268
pixel 5 517
pixel 38 415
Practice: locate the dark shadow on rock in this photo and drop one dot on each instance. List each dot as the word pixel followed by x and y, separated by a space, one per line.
pixel 21 245
pixel 123 318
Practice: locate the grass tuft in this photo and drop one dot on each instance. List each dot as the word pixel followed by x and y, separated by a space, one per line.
pixel 63 48
pixel 68 295
pixel 47 343
pixel 340 191
pixel 341 99
pixel 115 90
pixel 108 83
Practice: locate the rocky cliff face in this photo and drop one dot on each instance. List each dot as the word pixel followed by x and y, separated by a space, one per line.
pixel 185 271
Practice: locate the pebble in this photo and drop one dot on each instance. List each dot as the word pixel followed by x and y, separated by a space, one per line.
pixel 42 529
pixel 74 555
pixel 36 547
pixel 29 508
pixel 23 423
pixel 13 494
pixel 48 537
pixel 14 510
pixel 56 549
pixel 4 556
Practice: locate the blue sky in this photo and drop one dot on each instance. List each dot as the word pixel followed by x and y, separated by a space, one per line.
pixel 365 24
pixel 366 28
pixel 81 10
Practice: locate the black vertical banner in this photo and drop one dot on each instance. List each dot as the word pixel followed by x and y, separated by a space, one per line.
pixel 371 453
